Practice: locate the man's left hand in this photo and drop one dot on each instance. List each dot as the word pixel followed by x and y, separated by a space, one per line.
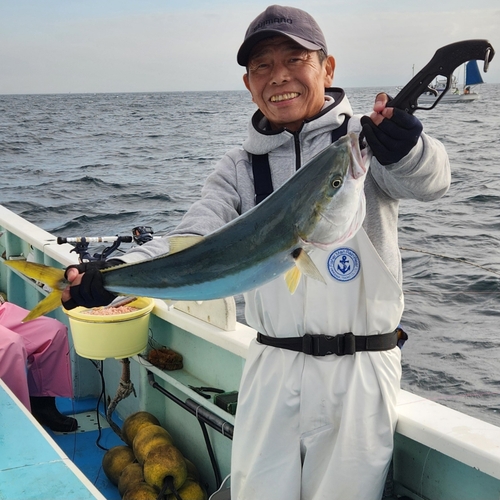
pixel 391 133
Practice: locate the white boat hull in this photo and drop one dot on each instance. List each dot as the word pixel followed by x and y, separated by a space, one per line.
pixel 448 98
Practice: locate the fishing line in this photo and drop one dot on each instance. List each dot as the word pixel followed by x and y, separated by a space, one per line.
pixel 423 472
pixel 409 291
pixel 102 396
pixel 455 397
pixel 456 259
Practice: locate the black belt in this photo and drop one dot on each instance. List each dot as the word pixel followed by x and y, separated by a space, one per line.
pixel 321 345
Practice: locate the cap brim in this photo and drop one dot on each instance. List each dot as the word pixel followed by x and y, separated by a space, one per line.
pixel 250 42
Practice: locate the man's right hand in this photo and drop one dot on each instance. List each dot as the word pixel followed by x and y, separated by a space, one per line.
pixel 86 285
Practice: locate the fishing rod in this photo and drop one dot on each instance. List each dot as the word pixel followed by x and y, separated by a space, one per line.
pixel 444 62
pixel 93 239
pixel 140 235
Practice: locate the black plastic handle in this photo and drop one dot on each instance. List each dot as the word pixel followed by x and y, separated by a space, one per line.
pixel 445 61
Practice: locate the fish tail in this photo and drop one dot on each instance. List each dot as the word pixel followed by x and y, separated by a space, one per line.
pixel 49 303
pixel 50 276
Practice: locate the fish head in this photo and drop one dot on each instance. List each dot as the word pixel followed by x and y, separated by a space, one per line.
pixel 340 212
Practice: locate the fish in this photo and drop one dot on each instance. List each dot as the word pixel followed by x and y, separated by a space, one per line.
pixel 320 205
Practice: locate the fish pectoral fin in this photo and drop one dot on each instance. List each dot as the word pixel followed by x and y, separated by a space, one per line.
pixel 50 276
pixel 303 265
pixel 306 265
pixel 180 243
pixel 49 303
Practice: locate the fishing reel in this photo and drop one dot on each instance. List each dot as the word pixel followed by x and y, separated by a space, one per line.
pixel 142 234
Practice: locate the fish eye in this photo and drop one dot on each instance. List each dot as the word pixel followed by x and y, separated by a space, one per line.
pixel 337 182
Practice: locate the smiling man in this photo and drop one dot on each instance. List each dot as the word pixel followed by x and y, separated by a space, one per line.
pixel 317 403
pixel 288 82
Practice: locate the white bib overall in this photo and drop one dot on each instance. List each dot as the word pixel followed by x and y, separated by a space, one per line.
pixel 311 428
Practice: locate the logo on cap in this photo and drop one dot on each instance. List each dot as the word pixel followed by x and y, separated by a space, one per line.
pixel 275 20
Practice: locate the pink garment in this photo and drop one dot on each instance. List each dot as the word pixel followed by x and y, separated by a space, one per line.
pixel 34 356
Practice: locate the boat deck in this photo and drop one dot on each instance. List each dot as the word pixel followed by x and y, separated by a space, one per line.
pixel 86 447
pixel 37 463
pixel 43 465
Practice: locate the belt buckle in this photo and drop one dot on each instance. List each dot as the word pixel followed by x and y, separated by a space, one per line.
pixel 326 344
pixel 323 345
pixel 349 344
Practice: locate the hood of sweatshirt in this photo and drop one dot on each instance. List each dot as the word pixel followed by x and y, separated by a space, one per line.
pixel 261 139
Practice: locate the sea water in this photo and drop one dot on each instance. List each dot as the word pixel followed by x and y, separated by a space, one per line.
pixel 101 164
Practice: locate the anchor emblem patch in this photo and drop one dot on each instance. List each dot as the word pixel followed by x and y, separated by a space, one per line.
pixel 343 264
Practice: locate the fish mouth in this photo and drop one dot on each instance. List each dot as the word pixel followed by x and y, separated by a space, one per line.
pixel 284 97
pixel 359 163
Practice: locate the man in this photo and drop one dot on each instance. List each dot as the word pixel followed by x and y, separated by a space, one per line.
pixel 312 425
pixel 35 365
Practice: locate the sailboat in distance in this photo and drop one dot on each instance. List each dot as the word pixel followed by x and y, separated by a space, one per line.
pixel 464 92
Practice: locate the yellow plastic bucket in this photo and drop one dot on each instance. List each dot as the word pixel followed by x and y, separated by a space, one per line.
pixel 112 336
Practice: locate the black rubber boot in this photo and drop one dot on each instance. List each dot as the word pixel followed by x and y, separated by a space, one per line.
pixel 45 411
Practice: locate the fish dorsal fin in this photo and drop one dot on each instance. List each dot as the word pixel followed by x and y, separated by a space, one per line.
pixel 180 243
pixel 303 265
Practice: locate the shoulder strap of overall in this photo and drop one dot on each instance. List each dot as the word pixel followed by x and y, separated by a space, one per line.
pixel 263 183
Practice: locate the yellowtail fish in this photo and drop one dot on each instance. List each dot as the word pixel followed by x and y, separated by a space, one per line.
pixel 321 204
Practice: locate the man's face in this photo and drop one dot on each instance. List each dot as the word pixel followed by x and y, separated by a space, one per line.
pixel 287 82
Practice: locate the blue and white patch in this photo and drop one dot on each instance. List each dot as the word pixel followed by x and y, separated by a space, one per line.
pixel 344 264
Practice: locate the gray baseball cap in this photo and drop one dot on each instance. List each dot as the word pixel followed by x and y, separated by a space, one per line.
pixel 288 21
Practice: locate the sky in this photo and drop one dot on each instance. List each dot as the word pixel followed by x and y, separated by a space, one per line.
pixel 94 46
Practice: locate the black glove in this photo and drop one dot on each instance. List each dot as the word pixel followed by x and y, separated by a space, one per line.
pixel 90 292
pixel 393 139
